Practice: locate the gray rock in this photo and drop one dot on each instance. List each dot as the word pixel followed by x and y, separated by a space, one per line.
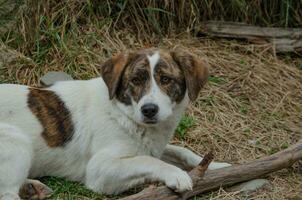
pixel 250 186
pixel 52 77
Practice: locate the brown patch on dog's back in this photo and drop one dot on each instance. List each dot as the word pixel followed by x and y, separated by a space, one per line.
pixel 53 115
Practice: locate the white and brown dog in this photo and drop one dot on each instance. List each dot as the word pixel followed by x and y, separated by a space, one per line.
pixel 110 133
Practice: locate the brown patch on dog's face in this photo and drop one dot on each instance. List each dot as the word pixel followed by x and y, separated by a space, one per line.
pixel 136 80
pixel 170 78
pixel 53 115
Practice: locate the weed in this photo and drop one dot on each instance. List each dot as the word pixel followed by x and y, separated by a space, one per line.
pixel 186 122
pixel 216 80
pixel 63 187
pixel 273 150
pixel 209 100
pixel 243 109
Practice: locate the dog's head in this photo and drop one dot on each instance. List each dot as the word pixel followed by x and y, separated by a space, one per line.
pixel 149 84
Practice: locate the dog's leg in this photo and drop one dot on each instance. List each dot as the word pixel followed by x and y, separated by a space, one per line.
pixel 115 175
pixel 15 160
pixel 186 159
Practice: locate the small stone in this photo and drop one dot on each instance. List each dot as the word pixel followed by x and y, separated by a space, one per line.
pixel 250 186
pixel 252 142
pixel 52 77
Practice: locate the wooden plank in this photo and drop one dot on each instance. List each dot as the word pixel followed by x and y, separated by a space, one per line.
pixel 282 39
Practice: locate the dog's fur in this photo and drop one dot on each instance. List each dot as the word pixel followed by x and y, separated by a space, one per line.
pixel 95 131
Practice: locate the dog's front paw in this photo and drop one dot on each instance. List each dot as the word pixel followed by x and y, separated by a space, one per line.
pixel 178 180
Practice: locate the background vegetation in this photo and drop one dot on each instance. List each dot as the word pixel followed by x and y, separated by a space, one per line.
pixel 44 19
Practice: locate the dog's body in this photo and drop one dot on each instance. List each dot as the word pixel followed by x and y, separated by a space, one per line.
pixel 89 131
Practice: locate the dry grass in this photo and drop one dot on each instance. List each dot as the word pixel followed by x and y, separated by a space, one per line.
pixel 251 107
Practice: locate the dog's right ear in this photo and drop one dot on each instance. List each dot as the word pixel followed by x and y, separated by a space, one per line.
pixel 112 71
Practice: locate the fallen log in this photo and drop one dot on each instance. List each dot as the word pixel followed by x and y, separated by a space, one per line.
pixel 281 39
pixel 227 176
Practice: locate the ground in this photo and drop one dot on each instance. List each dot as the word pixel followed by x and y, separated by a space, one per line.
pixel 251 106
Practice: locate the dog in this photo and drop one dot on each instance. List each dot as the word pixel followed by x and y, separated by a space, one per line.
pixel 110 133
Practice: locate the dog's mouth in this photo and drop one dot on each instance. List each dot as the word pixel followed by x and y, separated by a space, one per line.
pixel 150 121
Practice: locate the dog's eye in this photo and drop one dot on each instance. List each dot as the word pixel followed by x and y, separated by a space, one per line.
pixel 136 81
pixel 165 80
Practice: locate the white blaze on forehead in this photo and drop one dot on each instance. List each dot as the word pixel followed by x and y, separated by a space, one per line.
pixel 155 95
pixel 153 60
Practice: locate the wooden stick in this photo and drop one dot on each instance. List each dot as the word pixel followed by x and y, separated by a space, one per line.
pixel 282 39
pixel 164 192
pixel 227 176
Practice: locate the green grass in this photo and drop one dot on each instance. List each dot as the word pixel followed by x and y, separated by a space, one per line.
pixel 216 80
pixel 247 130
pixel 243 109
pixel 64 189
pixel 209 100
pixel 186 122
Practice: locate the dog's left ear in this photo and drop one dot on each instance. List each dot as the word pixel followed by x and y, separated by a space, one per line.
pixel 112 71
pixel 195 70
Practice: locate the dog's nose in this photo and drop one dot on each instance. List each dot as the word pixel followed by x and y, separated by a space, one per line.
pixel 149 110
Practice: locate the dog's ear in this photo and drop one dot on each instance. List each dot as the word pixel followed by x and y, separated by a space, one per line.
pixel 195 70
pixel 112 71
